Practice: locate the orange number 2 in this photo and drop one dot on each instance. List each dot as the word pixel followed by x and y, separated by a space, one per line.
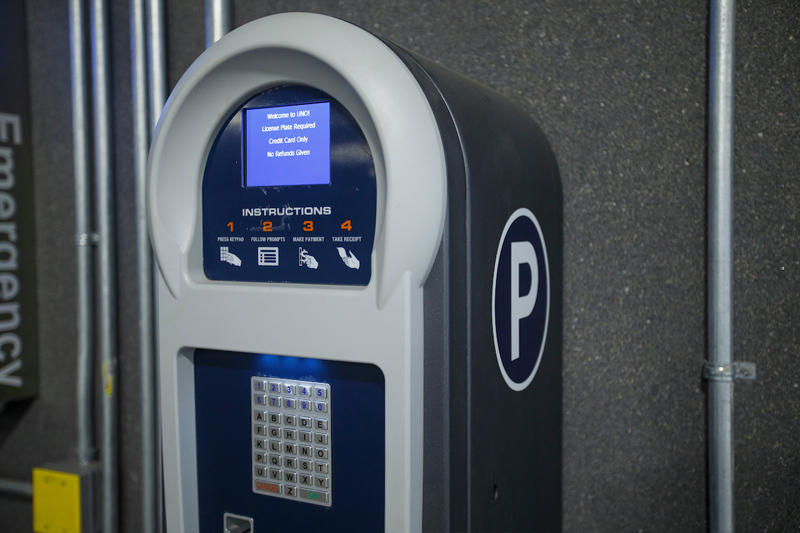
pixel 266 225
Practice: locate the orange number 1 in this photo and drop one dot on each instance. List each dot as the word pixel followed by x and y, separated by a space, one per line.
pixel 230 225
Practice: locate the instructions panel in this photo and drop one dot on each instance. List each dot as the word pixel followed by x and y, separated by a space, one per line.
pixel 289 193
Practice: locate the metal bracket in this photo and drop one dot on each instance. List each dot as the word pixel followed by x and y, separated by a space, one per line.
pixel 85 239
pixel 729 371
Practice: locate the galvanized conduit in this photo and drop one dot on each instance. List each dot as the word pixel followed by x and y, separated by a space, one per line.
pixel 720 265
pixel 219 20
pixel 104 197
pixel 16 488
pixel 148 72
pixel 149 19
pixel 152 509
pixel 157 59
pixel 151 501
pixel 85 451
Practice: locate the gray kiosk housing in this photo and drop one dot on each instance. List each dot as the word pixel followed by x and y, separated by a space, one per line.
pixel 407 355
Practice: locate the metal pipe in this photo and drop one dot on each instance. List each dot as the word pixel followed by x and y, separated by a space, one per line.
pixel 219 20
pixel 80 142
pixel 17 488
pixel 104 197
pixel 720 263
pixel 151 429
pixel 141 140
pixel 157 59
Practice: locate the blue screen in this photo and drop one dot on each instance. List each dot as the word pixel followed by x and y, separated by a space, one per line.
pixel 287 145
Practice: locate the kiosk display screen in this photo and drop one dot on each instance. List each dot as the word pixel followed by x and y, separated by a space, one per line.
pixel 287 145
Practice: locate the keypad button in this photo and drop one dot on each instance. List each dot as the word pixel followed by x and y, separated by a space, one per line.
pixel 259 429
pixel 305 422
pixel 321 407
pixel 290 434
pixel 290 403
pixel 290 388
pixel 305 451
pixel 306 479
pixel 306 465
pixel 305 405
pixel 275 474
pixel 275 446
pixel 290 447
pixel 321 438
pixel 322 468
pixel 290 420
pixel 274 432
pixel 304 389
pixel 321 482
pixel 264 486
pixel 291 477
pixel 320 393
pixel 274 387
pixel 260 457
pixel 258 399
pixel 260 471
pixel 259 385
pixel 314 495
pixel 274 418
pixel 305 436
pixel 321 424
pixel 321 453
pixel 273 401
pixel 260 416
pixel 260 444
pixel 291 491
pixel 275 460
pixel 291 462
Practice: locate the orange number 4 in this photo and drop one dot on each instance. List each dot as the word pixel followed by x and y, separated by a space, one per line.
pixel 347 225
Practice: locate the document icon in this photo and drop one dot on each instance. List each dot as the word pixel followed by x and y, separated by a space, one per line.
pixel 268 257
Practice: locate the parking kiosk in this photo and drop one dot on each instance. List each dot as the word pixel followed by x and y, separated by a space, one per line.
pixel 359 291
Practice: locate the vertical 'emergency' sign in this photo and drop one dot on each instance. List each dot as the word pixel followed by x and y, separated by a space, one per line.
pixel 19 368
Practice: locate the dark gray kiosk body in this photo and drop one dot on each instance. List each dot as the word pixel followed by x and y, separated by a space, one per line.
pixel 492 454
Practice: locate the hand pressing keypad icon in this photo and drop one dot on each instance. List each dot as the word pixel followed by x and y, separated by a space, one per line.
pixel 292 439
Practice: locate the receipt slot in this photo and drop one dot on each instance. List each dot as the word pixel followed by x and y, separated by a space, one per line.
pixel 359 291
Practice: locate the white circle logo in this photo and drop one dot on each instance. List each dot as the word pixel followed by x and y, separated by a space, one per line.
pixel 520 299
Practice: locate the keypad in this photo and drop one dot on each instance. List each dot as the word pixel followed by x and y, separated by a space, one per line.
pixel 291 434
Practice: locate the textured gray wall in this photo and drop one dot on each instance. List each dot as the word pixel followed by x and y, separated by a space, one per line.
pixel 620 89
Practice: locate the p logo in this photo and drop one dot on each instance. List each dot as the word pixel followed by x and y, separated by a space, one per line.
pixel 520 299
